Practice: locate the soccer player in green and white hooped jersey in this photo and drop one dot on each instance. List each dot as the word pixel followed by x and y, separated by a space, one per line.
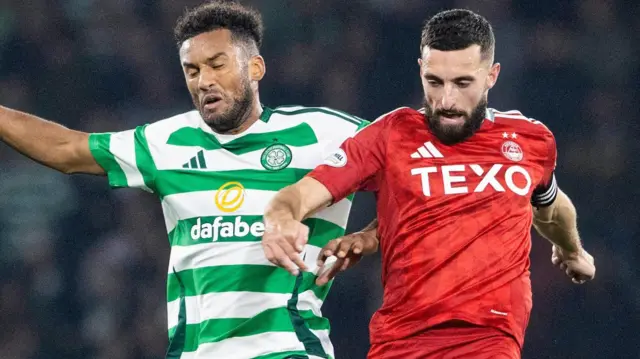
pixel 215 169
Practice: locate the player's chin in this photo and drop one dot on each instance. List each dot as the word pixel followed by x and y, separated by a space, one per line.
pixel 452 134
pixel 213 117
pixel 217 123
pixel 210 114
pixel 453 130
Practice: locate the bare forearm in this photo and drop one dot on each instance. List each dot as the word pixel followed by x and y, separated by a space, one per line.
pixel 373 226
pixel 46 142
pixel 285 205
pixel 559 224
pixel 298 201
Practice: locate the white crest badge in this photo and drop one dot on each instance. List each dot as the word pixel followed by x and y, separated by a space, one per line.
pixel 336 159
pixel 512 151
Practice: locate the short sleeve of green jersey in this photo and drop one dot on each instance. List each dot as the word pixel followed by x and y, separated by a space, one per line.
pixel 125 157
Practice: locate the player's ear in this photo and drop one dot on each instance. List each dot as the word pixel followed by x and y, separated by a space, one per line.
pixel 257 68
pixel 420 65
pixel 494 71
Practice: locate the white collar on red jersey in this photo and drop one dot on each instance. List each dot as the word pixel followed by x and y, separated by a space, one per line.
pixel 489 114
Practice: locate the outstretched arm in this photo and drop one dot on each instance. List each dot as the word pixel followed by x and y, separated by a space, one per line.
pixel 345 171
pixel 48 143
pixel 285 236
pixel 558 223
pixel 554 217
pixel 282 227
pixel 298 201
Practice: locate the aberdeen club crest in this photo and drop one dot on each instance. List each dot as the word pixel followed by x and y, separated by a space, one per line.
pixel 512 151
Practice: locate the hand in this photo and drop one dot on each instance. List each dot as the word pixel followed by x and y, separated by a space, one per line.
pixel 579 267
pixel 348 251
pixel 283 241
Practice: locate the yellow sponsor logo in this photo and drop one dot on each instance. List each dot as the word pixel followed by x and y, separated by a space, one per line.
pixel 229 196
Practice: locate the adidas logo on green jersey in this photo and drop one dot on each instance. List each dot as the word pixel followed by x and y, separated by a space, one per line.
pixel 197 162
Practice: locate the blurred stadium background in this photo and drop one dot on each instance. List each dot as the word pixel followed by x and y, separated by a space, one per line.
pixel 83 267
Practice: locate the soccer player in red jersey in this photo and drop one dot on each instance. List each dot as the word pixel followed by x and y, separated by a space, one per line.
pixel 458 187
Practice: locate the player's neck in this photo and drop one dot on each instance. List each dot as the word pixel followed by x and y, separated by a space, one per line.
pixel 254 115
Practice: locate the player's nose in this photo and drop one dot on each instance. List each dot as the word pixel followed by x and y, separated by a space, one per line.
pixel 449 96
pixel 207 79
pixel 448 99
pixel 447 102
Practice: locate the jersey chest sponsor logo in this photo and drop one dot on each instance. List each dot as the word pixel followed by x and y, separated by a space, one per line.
pixel 228 198
pixel 220 228
pixel 461 179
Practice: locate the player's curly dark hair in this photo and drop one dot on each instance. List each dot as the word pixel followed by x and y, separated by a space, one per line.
pixel 244 23
pixel 456 30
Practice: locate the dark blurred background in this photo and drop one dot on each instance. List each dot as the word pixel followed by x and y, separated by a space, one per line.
pixel 83 268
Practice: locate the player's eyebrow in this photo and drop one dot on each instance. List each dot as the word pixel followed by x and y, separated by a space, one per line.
pixel 464 78
pixel 433 78
pixel 210 59
pixel 457 79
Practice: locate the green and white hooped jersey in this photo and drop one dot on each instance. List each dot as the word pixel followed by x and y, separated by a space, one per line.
pixel 224 299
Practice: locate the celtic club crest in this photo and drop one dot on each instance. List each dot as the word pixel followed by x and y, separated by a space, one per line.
pixel 276 157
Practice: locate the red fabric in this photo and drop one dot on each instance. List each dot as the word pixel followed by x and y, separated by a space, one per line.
pixel 455 227
pixel 450 342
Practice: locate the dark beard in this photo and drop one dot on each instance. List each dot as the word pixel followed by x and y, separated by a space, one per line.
pixel 234 117
pixel 450 135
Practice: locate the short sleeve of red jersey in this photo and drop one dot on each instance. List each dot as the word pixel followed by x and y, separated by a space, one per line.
pixel 547 190
pixel 355 166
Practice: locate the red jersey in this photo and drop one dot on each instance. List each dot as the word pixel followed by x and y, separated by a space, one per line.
pixel 454 221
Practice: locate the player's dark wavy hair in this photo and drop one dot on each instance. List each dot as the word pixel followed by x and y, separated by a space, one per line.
pixel 456 30
pixel 244 23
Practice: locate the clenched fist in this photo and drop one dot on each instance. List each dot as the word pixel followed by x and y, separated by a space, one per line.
pixel 579 267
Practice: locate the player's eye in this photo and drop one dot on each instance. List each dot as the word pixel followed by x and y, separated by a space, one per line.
pixel 191 73
pixel 217 66
pixel 434 83
pixel 463 84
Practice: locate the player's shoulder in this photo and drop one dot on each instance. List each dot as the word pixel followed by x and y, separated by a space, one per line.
pixel 184 119
pixel 399 114
pixel 305 113
pixel 160 131
pixel 516 121
pixel 329 125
